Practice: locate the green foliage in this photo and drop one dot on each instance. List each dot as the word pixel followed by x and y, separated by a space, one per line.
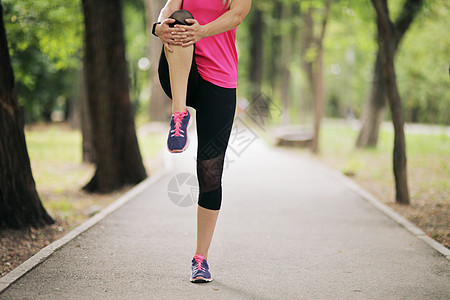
pixel 54 27
pixel 422 70
pixel 136 40
pixel 350 48
pixel 45 42
pixel 422 66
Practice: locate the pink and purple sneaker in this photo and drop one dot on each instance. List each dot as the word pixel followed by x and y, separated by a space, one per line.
pixel 177 140
pixel 200 270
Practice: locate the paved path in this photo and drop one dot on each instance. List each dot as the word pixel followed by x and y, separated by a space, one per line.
pixel 287 230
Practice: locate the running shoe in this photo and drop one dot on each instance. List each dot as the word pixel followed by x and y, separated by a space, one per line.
pixel 200 270
pixel 177 140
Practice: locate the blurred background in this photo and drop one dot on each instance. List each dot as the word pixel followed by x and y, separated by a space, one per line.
pixel 317 64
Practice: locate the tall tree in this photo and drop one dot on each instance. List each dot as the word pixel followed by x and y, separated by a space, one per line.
pixel 374 108
pixel 256 49
pixel 20 205
pixel 287 41
pixel 159 103
pixel 387 34
pixel 313 62
pixel 258 106
pixel 118 158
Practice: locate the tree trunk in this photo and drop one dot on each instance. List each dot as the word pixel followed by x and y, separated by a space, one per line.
pixel 307 64
pixel 318 88
pixel 373 111
pixel 118 158
pixel 274 64
pixel 314 69
pixel 256 49
pixel 256 63
pixel 286 50
pixel 86 123
pixel 387 41
pixel 374 108
pixel 160 108
pixel 20 205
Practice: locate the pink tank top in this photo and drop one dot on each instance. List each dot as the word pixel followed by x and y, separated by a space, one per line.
pixel 216 56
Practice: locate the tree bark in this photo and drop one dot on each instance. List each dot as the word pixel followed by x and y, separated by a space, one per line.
pixel 373 111
pixel 387 42
pixel 286 50
pixel 307 64
pixel 314 69
pixel 87 145
pixel 374 108
pixel 256 65
pixel 20 205
pixel 118 158
pixel 274 64
pixel 256 24
pixel 160 108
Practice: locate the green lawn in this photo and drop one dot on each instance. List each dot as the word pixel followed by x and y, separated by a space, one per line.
pixel 56 159
pixel 428 158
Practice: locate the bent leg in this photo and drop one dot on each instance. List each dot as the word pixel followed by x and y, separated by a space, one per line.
pixel 180 62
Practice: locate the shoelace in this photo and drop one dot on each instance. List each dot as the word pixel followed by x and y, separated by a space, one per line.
pixel 177 119
pixel 199 261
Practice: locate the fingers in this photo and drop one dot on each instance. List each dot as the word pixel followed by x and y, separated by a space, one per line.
pixel 191 21
pixel 185 35
pixel 167 46
pixel 188 44
pixel 168 21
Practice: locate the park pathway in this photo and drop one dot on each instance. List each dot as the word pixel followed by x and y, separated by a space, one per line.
pixel 287 230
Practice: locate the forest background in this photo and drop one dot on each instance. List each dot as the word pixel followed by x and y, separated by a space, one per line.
pixel 280 46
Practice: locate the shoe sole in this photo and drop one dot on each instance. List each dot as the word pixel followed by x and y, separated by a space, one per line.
pixel 187 138
pixel 201 280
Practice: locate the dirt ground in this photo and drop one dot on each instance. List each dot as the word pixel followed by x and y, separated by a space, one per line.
pixel 428 211
pixel 16 246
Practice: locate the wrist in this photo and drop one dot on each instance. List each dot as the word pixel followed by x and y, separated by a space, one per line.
pixel 204 31
pixel 156 28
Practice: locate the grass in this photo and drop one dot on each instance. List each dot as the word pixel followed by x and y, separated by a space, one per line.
pixel 56 159
pixel 428 159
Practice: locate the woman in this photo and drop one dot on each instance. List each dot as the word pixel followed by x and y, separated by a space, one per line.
pixel 198 68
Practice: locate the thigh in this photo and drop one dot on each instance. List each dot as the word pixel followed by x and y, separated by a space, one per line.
pixel 215 112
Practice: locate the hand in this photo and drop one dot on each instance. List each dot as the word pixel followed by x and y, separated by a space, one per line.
pixel 192 33
pixel 167 34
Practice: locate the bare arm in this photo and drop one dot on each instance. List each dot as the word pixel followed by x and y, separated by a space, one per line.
pixel 229 20
pixel 168 9
pixel 163 31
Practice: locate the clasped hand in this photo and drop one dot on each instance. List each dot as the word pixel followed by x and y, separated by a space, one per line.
pixel 182 35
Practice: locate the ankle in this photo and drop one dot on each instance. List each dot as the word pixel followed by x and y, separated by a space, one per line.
pixel 203 254
pixel 179 109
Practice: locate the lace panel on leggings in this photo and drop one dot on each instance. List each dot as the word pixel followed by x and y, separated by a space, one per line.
pixel 209 173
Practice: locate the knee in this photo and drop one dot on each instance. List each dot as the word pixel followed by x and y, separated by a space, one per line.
pixel 180 17
pixel 209 173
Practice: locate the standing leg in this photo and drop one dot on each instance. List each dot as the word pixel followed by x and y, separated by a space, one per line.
pixel 215 115
pixel 206 223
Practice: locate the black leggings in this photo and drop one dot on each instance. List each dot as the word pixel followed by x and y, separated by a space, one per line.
pixel 215 108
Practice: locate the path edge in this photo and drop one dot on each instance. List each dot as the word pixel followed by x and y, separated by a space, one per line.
pixel 38 258
pixel 388 211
